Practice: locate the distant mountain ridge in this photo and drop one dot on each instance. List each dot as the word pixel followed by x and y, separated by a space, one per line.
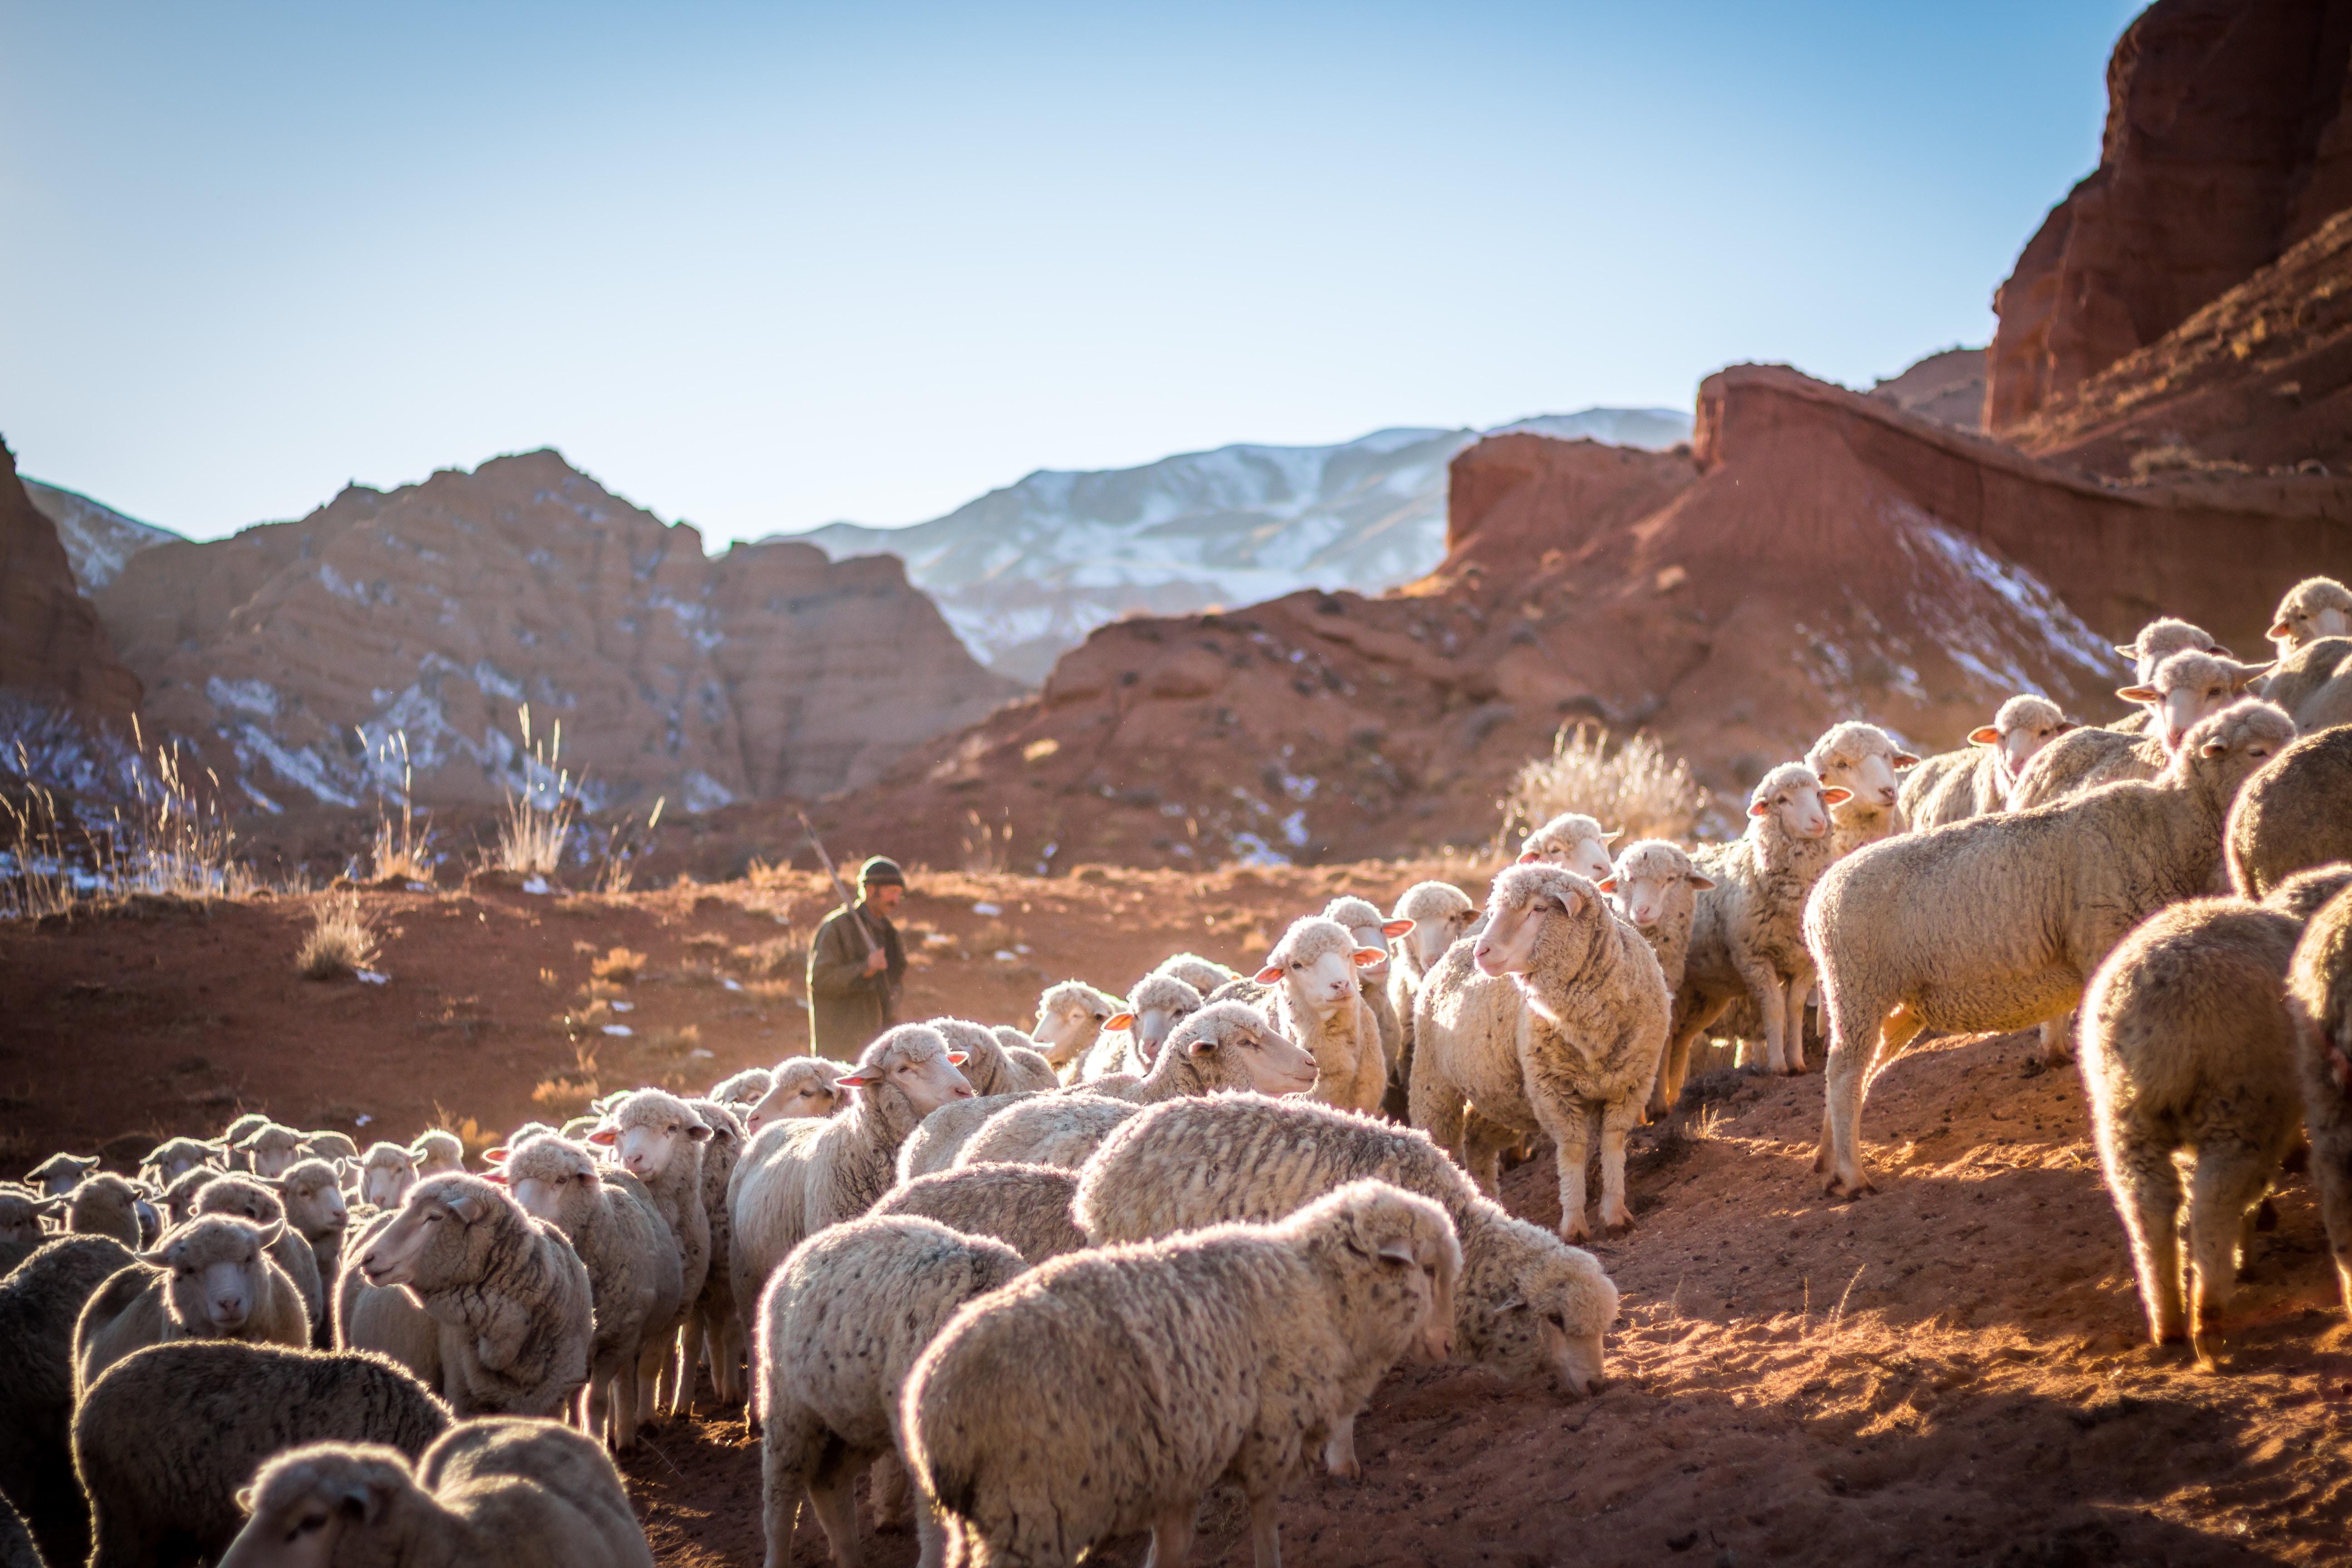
pixel 1024 572
pixel 98 539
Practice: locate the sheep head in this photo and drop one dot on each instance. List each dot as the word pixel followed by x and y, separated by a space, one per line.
pixel 1571 840
pixel 646 1130
pixel 1861 759
pixel 1525 900
pixel 1645 883
pixel 2160 639
pixel 1318 960
pixel 801 1087
pixel 426 1246
pixel 2313 608
pixel 1403 1232
pixel 1792 799
pixel 1157 1005
pixel 216 1271
pixel 2224 749
pixel 1440 914
pixel 386 1174
pixel 2188 687
pixel 1069 1016
pixel 1231 1045
pixel 2024 725
pixel 1367 925
pixel 912 1067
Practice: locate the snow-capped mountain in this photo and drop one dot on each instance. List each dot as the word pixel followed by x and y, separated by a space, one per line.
pixel 1026 572
pixel 98 539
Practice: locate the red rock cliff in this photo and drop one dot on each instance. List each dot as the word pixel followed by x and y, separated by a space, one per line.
pixel 51 641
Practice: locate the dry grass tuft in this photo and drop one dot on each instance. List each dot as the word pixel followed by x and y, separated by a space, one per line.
pixel 538 822
pixel 1635 788
pixel 619 966
pixel 400 849
pixel 339 942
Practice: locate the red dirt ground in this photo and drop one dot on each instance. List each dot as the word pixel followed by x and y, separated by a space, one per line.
pixel 1951 1370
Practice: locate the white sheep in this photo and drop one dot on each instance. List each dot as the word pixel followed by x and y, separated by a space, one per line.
pixel 743 1090
pixel 2313 608
pixel 1585 1042
pixel 1440 912
pixel 2187 1048
pixel 1530 1306
pixel 1236 1353
pixel 330 1146
pixel 940 1137
pixel 1227 1045
pixel 1746 938
pixel 174 1158
pixel 269 1149
pixel 634 1282
pixel 1070 1018
pixel 1572 841
pixel 1975 781
pixel 2186 687
pixel 1994 923
pixel 1372 929
pixel 715 1330
pixel 2319 1001
pixel 1202 974
pixel 387 1173
pixel 1029 1063
pixel 438 1152
pixel 1030 1208
pixel 520 1494
pixel 1317 1001
pixel 250 1198
pixel 41 1301
pixel 2294 814
pixel 801 1086
pixel 1131 1037
pixel 659 1139
pixel 20 1225
pixel 212 1279
pixel 61 1173
pixel 105 1205
pixel 2160 639
pixel 798 1177
pixel 512 1299
pixel 1862 760
pixel 839 1329
pixel 987 1066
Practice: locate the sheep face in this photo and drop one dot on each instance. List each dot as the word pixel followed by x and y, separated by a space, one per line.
pixel 304 1501
pixel 645 1131
pixel 387 1176
pixel 1554 1307
pixel 2229 745
pixel 1441 913
pixel 438 1153
pixel 217 1271
pixel 1794 796
pixel 20 1218
pixel 2022 727
pixel 1524 898
pixel 743 1090
pixel 545 1173
pixel 176 1158
pixel 61 1173
pixel 1318 960
pixel 270 1149
pixel 243 1196
pixel 1573 843
pixel 313 1194
pixel 1862 760
pixel 915 1061
pixel 2159 640
pixel 1069 1016
pixel 427 1242
pixel 180 1197
pixel 1160 1002
pixel 2187 688
pixel 804 1087
pixel 1364 924
pixel 1647 874
pixel 1236 1034
pixel 2313 608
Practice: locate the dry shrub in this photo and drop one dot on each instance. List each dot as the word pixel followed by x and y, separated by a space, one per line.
pixel 1635 788
pixel 399 848
pixel 987 847
pixel 338 943
pixel 619 966
pixel 778 955
pixel 532 832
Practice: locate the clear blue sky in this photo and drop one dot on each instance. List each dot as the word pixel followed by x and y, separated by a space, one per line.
pixel 765 266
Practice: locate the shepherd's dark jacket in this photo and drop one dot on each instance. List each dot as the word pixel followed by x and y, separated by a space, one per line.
pixel 847 1007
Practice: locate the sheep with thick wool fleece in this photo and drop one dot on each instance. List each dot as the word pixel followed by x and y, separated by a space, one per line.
pixel 1235 1354
pixel 800 1087
pixel 1070 1018
pixel 796 1178
pixel 387 1173
pixel 61 1173
pixel 1861 760
pixel 21 1232
pixel 1131 1037
pixel 634 1279
pixel 522 1494
pixel 438 1153
pixel 1202 974
pixel 2294 814
pixel 987 1066
pixel 2187 687
pixel 2313 608
pixel 1440 912
pixel 1747 938
pixel 515 1308
pixel 743 1090
pixel 1228 1047
pixel 1995 923
pixel 1372 929
pixel 1030 1208
pixel 1572 841
pixel 1316 1000
pixel 312 1190
pixel 1029 1063
pixel 41 1301
pixel 249 1198
pixel 385 1318
pixel 212 1279
pixel 105 1205
pixel 659 1139
pixel 1654 889
pixel 936 1141
pixel 714 1329
pixel 1586 1040
pixel 1975 781
pixel 1531 1305
pixel 2319 1001
pixel 839 1328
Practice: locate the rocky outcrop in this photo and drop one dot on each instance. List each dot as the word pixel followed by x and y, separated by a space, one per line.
pixel 52 645
pixel 2228 138
pixel 98 539
pixel 1948 387
pixel 1820 555
pixel 436 609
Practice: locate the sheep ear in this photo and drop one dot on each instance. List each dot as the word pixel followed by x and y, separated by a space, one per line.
pixel 1613 834
pixel 1120 1021
pixel 2280 630
pixel 466 1206
pixel 1269 974
pixel 1758 807
pixel 2128 650
pixel 1836 794
pixel 697 1133
pixel 2218 650
pixel 275 1183
pixel 1399 1251
pixel 495 1178
pixel 342 1169
pixel 497 1156
pixel 1984 735
pixel 1906 760
pixel 604 1137
pixel 1397 928
pixel 271 1232
pixel 1365 957
pixel 1206 1045
pixel 1516 1301
pixel 2139 693
pixel 2250 673
pixel 2213 748
pixel 1529 857
pixel 1607 884
pixel 2067 724
pixel 1699 881
pixel 852 1081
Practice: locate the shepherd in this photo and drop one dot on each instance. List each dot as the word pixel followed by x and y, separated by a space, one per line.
pixel 856 967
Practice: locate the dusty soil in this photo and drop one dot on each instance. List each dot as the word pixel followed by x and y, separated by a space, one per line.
pixel 1950 1370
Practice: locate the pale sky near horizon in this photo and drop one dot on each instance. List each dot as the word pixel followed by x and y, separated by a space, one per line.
pixel 762 267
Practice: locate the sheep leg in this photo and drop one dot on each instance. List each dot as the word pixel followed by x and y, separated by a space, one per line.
pixel 1172 1536
pixel 2331 1173
pixel 729 1354
pixel 2148 1199
pixel 932 1535
pixel 1570 1127
pixel 1266 1528
pixel 783 1460
pixel 648 1379
pixel 2058 1038
pixel 1792 1022
pixel 1340 1453
pixel 1764 988
pixel 890 1491
pixel 624 1406
pixel 1438 1106
pixel 1865 1033
pixel 1617 1120
pixel 832 1483
pixel 1693 1015
pixel 2229 1180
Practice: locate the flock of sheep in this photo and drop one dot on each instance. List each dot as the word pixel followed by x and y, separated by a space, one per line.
pixel 1053 1286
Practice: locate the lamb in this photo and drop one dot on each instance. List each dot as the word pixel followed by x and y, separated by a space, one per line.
pixel 1315 1002
pixel 61 1173
pixel 522 1494
pixel 247 1198
pixel 163 1441
pixel 385 1319
pixel 1286 1330
pixel 1027 1208
pixel 1862 760
pixel 803 1086
pixel 714 1329
pixel 1367 925
pixel 105 1205
pixel 1953 786
pixel 1070 1017
pixel 988 1067
pixel 386 1174
pixel 1157 1005
pixel 438 1153
pixel 1994 924
pixel 840 1327
pixel 212 1279
pixel 2293 813
pixel 631 1257
pixel 2313 608
pixel 175 1157
pixel 2187 687
pixel 1202 974
pixel 1745 939
pixel 20 1226
pixel 797 1177
pixel 2187 1047
pixel 512 1296
pixel 267 1149
pixel 1588 1035
pixel 658 1138
pixel 1228 1046
pixel 1572 841
pixel 1529 1306
pixel 2319 1002
pixel 40 1303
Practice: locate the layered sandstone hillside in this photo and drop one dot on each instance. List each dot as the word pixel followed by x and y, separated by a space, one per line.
pixel 52 646
pixel 435 610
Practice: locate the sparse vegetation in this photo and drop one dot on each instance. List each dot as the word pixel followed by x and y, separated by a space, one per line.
pixel 625 845
pixel 339 942
pixel 987 847
pixel 400 849
pixel 1636 788
pixel 619 966
pixel 172 841
pixel 537 822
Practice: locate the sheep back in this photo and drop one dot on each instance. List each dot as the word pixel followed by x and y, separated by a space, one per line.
pixel 1051 1130
pixel 2082 760
pixel 2293 814
pixel 384 1319
pixel 1030 1208
pixel 933 1145
pixel 2319 999
pixel 40 1303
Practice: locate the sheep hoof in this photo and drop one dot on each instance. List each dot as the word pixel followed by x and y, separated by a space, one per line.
pixel 1575 1234
pixel 1617 1227
pixel 1853 1186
